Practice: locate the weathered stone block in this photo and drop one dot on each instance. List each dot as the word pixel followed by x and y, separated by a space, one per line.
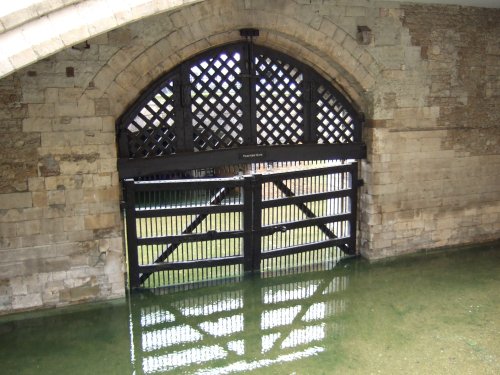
pixel 101 221
pixel 15 200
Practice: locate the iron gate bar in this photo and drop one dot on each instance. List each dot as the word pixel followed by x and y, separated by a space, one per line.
pixel 211 235
pixel 302 248
pixel 189 210
pixel 297 199
pixel 355 184
pixel 190 264
pixel 130 222
pixel 216 199
pixel 256 249
pixel 249 188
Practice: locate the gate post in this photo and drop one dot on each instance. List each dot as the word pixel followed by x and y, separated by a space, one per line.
pixel 252 206
pixel 256 220
pixel 353 194
pixel 130 222
pixel 247 223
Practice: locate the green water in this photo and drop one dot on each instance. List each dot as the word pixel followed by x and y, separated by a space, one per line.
pixel 426 314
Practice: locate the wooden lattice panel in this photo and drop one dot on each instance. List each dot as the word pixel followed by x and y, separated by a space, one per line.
pixel 334 125
pixel 279 96
pixel 216 102
pixel 151 132
pixel 238 95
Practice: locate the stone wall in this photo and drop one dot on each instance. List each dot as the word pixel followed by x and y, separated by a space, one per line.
pixel 61 232
pixel 433 177
pixel 428 82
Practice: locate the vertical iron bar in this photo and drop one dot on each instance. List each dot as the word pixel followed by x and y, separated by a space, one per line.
pixel 252 102
pixel 257 220
pixel 246 105
pixel 247 218
pixel 187 115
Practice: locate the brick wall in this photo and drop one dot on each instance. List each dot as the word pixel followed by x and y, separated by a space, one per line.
pixel 428 82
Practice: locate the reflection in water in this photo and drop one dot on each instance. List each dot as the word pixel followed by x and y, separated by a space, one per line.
pixel 236 329
pixel 162 338
pixel 426 314
pixel 223 326
pixel 181 358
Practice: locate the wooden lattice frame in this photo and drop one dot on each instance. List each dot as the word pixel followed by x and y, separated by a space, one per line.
pixel 238 96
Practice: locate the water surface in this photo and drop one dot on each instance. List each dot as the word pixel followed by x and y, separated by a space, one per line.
pixel 427 314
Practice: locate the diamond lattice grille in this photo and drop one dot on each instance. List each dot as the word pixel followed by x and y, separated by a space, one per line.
pixel 334 124
pixel 237 95
pixel 216 102
pixel 151 132
pixel 279 102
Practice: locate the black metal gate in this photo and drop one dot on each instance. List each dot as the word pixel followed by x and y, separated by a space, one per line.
pixel 181 231
pixel 237 104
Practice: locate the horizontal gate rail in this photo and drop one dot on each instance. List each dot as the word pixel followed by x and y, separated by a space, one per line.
pixel 317 221
pixel 191 184
pixel 296 200
pixel 302 248
pixel 205 210
pixel 307 173
pixel 150 268
pixel 189 238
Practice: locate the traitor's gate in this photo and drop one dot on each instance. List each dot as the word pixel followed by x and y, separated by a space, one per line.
pixel 240 159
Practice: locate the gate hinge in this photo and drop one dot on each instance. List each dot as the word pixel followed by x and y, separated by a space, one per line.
pixel 361 182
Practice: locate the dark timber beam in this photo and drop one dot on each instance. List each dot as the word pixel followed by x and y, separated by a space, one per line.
pixel 131 168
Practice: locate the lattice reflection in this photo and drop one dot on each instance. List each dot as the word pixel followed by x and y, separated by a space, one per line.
pixel 237 329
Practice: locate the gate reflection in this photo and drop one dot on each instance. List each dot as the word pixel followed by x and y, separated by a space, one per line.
pixel 237 327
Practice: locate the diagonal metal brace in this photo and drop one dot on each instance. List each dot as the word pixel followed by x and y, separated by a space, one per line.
pixel 216 199
pixel 289 193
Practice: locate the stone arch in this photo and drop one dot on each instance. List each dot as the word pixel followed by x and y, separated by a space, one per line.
pixel 328 49
pixel 40 29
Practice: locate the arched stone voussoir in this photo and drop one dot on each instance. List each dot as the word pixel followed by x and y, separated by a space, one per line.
pixel 329 50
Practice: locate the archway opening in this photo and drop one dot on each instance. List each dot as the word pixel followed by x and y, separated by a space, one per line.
pixel 239 159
